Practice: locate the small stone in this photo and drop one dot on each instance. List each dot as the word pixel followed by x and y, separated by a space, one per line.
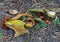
pixel 53 36
pixel 58 35
pixel 1 5
pixel 13 11
pixel 39 38
pixel 51 13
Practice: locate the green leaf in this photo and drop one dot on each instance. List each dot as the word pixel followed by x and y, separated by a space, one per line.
pixel 36 10
pixel 38 19
pixel 37 26
pixel 42 23
pixel 1 35
pixel 56 10
pixel 34 14
pixel 56 21
pixel 22 18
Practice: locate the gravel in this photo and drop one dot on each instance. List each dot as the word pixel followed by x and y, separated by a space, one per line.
pixel 51 34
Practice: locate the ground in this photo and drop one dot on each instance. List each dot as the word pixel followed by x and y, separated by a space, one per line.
pixel 51 34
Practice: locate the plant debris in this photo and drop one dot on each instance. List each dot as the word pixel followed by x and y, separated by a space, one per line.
pixel 19 15
pixel 35 18
pixel 30 22
pixel 17 26
pixel 7 18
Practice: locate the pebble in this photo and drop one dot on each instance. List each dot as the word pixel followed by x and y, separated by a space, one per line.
pixel 39 38
pixel 58 36
pixel 53 36
pixel 57 32
pixel 13 11
pixel 1 5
